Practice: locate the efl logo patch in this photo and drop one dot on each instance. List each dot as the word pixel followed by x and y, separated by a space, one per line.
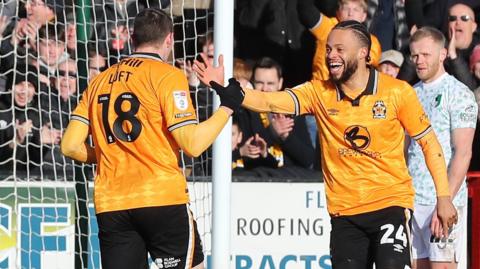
pixel 180 99
pixel 379 110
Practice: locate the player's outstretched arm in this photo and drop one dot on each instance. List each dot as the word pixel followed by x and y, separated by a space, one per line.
pixel 279 102
pixel 73 143
pixel 436 165
pixel 194 139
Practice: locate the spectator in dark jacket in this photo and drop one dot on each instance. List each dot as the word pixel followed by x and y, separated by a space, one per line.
pixel 462 40
pixel 287 138
pixel 272 28
pixel 21 131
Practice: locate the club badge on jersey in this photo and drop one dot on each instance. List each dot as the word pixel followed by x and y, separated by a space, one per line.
pixel 379 110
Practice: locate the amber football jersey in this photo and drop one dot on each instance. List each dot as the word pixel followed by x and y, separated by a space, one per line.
pixel 321 31
pixel 362 141
pixel 131 109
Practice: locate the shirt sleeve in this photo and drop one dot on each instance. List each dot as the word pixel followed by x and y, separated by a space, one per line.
pixel 175 101
pixel 323 27
pixel 410 112
pixel 304 96
pixel 463 109
pixel 82 111
pixel 375 51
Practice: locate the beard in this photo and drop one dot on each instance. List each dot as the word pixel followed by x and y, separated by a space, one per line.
pixel 350 67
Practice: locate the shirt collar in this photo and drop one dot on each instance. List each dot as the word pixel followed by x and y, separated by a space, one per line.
pixel 371 88
pixel 148 55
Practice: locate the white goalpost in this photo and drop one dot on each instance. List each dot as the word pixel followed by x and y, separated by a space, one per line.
pixel 222 151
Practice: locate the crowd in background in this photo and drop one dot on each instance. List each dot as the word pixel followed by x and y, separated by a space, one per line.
pixel 278 44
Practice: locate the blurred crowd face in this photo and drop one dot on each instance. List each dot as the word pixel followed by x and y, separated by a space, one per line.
pixel 71 36
pixel 343 53
pixel 38 11
pixel 428 57
pixel 23 93
pixel 351 10
pixel 389 68
pixel 209 50
pixel 476 70
pixel 236 136
pixel 96 64
pixel 462 19
pixel 267 80
pixel 67 79
pixel 50 50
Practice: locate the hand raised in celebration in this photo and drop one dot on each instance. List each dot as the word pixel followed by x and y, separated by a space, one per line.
pixel 207 72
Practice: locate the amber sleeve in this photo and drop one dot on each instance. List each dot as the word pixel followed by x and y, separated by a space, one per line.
pixel 435 162
pixel 193 139
pixel 73 143
pixel 278 102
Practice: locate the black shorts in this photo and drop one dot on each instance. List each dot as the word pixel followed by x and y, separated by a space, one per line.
pixel 382 237
pixel 168 233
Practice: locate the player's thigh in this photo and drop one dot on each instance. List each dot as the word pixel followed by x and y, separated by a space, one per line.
pixel 171 236
pixel 392 239
pixel 121 246
pixel 349 245
pixel 421 233
pixel 421 263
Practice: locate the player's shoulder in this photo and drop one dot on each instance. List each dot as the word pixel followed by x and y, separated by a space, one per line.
pixel 152 64
pixel 392 85
pixel 317 85
pixel 456 88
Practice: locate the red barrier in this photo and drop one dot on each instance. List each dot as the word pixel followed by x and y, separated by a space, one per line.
pixel 473 179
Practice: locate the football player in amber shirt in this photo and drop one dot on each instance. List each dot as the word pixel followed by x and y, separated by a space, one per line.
pixel 321 25
pixel 139 114
pixel 362 117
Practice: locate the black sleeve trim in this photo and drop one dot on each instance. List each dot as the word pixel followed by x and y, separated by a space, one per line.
pixel 424 133
pixel 296 101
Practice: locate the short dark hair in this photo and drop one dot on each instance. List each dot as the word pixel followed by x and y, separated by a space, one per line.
pixel 23 73
pixel 151 25
pixel 360 31
pixel 267 63
pixel 52 31
pixel 431 32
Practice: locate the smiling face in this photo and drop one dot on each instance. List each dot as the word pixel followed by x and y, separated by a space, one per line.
pixel 462 19
pixel 38 11
pixel 344 50
pixel 23 93
pixel 50 50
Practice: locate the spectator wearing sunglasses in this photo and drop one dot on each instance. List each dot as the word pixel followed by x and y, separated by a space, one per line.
pixel 56 109
pixel 462 40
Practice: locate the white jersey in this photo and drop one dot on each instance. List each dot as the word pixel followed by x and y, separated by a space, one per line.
pixel 449 105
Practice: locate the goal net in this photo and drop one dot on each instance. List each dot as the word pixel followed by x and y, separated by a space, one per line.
pixel 47 215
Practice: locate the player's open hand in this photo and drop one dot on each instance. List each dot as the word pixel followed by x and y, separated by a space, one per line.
pixel 447 214
pixel 207 72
